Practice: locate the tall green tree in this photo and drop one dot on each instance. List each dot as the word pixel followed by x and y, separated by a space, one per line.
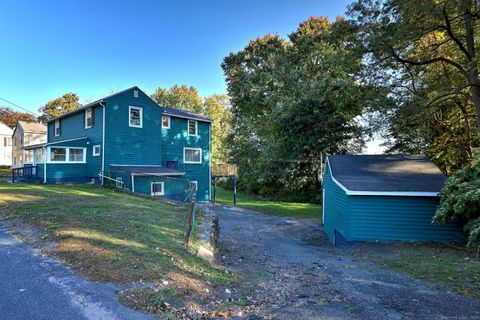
pixel 423 54
pixel 217 108
pixel 54 108
pixel 292 102
pixel 179 97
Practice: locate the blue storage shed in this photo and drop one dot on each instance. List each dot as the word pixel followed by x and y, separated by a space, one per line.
pixel 383 198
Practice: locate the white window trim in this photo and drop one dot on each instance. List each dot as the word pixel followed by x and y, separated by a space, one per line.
pixel 96 154
pixel 157 193
pixel 195 183
pixel 192 162
pixel 196 128
pixel 85 118
pixel 57 126
pixel 67 155
pixel 168 126
pixel 130 117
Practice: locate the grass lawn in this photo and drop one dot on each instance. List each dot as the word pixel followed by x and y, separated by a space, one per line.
pixel 284 209
pixel 456 268
pixel 5 172
pixel 108 235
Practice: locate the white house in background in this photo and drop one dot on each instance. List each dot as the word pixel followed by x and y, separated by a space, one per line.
pixel 5 145
pixel 26 134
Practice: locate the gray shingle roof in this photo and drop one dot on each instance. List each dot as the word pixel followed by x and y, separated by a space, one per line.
pixel 147 170
pixel 386 173
pixel 184 114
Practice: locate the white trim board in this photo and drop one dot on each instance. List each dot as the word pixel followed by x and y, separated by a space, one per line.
pixel 380 193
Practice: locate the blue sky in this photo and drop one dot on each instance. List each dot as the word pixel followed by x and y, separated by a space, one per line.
pixel 93 48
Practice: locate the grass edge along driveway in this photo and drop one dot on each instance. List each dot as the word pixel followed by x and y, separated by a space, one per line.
pixel 277 208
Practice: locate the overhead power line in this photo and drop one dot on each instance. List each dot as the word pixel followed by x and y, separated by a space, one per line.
pixel 16 105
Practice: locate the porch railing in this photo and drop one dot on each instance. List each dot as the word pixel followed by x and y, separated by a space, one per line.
pixel 24 173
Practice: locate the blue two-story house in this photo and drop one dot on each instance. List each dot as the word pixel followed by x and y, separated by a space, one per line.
pixel 145 148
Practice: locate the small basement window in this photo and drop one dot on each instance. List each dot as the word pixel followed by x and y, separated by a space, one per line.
pixel 57 128
pixel 88 118
pixel 194 185
pixel 96 150
pixel 135 117
pixel 166 122
pixel 157 189
pixel 192 155
pixel 118 182
pixel 192 128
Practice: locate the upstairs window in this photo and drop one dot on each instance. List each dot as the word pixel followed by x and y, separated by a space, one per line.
pixel 192 155
pixel 57 128
pixel 166 122
pixel 192 128
pixel 135 117
pixel 88 118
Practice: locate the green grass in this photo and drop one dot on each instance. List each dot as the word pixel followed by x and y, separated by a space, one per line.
pixel 283 209
pixel 455 268
pixel 108 235
pixel 5 171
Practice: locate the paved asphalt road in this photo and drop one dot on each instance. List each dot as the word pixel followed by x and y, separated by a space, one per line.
pixel 37 287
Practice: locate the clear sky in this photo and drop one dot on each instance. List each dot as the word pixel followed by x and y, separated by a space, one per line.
pixel 94 47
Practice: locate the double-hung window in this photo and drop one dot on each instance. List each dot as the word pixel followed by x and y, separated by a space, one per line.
pixel 88 118
pixel 135 117
pixel 166 122
pixel 57 128
pixel 58 154
pixel 192 128
pixel 157 189
pixel 192 155
pixel 96 150
pixel 66 155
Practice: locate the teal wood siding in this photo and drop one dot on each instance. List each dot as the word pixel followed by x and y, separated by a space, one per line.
pixel 152 144
pixel 73 127
pixel 40 172
pixel 388 218
pixel 173 188
pixel 335 208
pixel 382 218
pixel 176 139
pixel 72 172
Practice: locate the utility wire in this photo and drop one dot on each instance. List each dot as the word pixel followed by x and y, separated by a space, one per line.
pixel 16 105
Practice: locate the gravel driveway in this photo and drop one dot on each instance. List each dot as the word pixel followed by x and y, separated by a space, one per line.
pixel 290 271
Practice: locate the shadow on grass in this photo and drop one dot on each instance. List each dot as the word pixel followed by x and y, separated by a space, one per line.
pixel 107 235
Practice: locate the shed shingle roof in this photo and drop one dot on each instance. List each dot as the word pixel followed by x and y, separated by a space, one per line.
pixel 386 173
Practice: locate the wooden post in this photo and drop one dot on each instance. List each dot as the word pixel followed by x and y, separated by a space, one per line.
pixel 234 191
pixel 190 219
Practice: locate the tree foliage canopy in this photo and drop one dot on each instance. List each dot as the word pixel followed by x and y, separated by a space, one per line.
pixel 179 97
pixel 293 101
pixel 10 117
pixel 54 108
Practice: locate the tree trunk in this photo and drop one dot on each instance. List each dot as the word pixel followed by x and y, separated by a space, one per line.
pixel 473 70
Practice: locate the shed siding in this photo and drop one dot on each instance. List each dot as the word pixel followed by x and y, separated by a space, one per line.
pixel 335 208
pixel 381 218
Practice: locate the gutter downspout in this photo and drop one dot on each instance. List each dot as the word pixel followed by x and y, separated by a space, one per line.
pixel 103 141
pixel 133 183
pixel 45 165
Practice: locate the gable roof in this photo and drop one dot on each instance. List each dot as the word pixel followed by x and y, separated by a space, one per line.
pixel 33 127
pixel 167 111
pixel 387 174
pixel 4 129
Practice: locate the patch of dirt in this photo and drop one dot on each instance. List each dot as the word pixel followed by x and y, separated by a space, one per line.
pixel 38 237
